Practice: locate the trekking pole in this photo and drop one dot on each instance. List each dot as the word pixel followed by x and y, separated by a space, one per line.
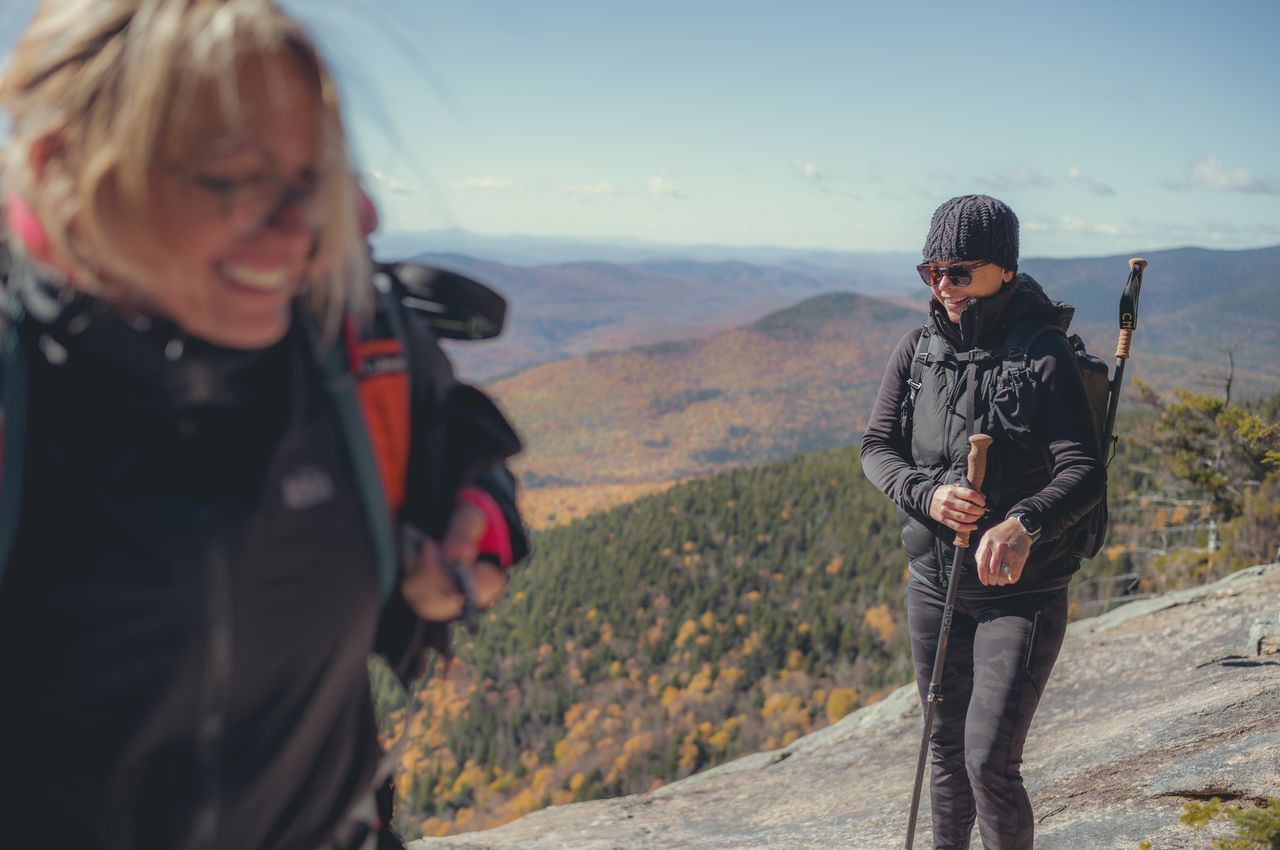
pixel 1128 324
pixel 977 471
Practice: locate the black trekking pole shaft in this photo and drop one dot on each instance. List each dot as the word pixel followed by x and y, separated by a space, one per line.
pixel 977 463
pixel 1128 324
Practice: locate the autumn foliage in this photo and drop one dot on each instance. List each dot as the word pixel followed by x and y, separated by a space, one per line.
pixel 723 617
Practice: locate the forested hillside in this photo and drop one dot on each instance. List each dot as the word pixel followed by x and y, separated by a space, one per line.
pixel 725 616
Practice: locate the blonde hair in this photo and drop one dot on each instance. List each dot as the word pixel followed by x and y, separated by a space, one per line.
pixel 106 79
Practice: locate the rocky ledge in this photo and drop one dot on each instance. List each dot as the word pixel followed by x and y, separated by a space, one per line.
pixel 1156 703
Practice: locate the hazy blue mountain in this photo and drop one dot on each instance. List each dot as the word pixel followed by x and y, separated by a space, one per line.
pixel 1197 304
pixel 804 377
pixel 562 310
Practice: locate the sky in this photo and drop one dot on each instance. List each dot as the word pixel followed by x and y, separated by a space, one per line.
pixel 1108 127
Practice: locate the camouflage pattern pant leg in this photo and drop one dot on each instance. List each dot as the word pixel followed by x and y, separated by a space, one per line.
pixel 999 657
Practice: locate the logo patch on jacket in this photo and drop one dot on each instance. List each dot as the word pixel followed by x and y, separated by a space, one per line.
pixel 381 362
pixel 306 487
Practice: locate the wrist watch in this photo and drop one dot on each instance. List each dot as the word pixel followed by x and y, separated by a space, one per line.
pixel 1029 525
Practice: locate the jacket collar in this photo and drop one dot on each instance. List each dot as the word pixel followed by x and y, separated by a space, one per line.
pixel 145 357
pixel 987 321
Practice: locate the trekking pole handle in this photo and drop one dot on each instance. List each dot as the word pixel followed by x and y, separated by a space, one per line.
pixel 977 471
pixel 1136 267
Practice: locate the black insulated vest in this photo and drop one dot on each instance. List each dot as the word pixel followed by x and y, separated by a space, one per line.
pixel 1015 394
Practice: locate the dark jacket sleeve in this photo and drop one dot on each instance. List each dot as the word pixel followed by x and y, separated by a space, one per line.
pixel 460 438
pixel 1066 426
pixel 886 449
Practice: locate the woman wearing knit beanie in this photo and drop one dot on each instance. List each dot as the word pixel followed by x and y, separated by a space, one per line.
pixel 962 374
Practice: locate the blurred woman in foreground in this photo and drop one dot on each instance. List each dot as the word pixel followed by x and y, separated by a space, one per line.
pixel 191 571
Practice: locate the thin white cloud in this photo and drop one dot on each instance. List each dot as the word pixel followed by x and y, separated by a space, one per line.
pixel 488 184
pixel 807 169
pixel 1087 183
pixel 588 191
pixel 1213 174
pixel 389 182
pixel 1022 177
pixel 821 181
pixel 662 187
pixel 1212 230
pixel 1071 224
pixel 933 194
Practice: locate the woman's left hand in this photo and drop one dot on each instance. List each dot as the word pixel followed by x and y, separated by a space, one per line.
pixel 1002 553
pixel 429 587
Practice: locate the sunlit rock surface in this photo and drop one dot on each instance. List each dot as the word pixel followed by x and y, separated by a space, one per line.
pixel 1158 702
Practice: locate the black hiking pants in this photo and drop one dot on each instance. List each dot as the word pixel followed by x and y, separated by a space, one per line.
pixel 999 657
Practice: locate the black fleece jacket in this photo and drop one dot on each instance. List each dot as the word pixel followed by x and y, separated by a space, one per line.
pixel 187 613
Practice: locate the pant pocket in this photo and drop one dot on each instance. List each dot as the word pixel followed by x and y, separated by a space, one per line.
pixel 1029 655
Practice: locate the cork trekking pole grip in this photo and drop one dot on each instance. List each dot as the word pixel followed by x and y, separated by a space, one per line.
pixel 1122 345
pixel 977 472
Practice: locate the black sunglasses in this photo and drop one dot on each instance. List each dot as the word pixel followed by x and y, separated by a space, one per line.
pixel 959 274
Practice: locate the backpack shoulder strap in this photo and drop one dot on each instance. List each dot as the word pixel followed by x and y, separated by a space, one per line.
pixel 14 393
pixel 1022 337
pixel 380 362
pixel 339 365
pixel 919 360
pixel 1018 342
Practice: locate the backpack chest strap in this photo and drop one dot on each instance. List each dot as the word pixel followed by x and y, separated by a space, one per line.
pixel 975 355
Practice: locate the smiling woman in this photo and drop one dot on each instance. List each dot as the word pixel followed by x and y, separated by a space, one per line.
pixel 231 468
pixel 188 158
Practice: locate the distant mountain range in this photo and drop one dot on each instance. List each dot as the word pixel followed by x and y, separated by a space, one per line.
pixel 1196 306
pixel 559 311
pixel 550 250
pixel 1198 303
pixel 797 380
pixel 804 378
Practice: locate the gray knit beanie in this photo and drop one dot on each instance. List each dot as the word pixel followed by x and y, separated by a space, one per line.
pixel 973 227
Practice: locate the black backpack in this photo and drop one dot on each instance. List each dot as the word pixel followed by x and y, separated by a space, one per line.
pixel 1090 531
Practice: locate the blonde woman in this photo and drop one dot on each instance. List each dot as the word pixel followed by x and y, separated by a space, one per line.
pixel 189 555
